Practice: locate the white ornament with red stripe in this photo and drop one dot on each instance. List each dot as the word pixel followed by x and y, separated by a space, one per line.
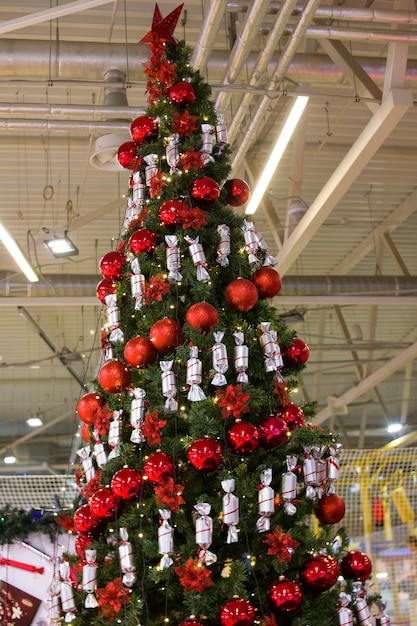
pixel 269 259
pixel 130 212
pixel 173 259
pixel 89 579
pixel 383 618
pixel 99 451
pixel 230 508
pixel 221 133
pixel 172 152
pixel 67 592
pixel 151 167
pixel 87 463
pixel 241 357
pixel 169 386
pixel 321 469
pixel 309 473
pixel 220 360
pixel 53 604
pixel 270 347
pixel 344 613
pixel 204 533
pixel 223 247
pixel 208 140
pixel 137 414
pixel 289 485
pixel 198 258
pixel 266 504
pixel 362 610
pixel 113 317
pixel 137 283
pixel 194 376
pixel 251 243
pixel 333 465
pixel 127 564
pixel 165 539
pixel 139 193
pixel 113 439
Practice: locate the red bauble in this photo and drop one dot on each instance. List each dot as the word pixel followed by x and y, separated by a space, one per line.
pixel 267 281
pixel 166 335
pixel 284 597
pixel 81 543
pixel 356 565
pixel 144 129
pixel 85 433
pixel 237 612
pixel 193 621
pixel 142 240
pixel 140 353
pixel 202 316
pixel 331 509
pixel 319 573
pixel 84 520
pixel 274 432
pixel 243 438
pixel 241 295
pixel 204 191
pixel 181 94
pixel 237 192
pixel 114 377
pixel 126 155
pixel 297 354
pixel 111 265
pixel 158 467
pixel 292 415
pixel 169 212
pixel 103 504
pixel 104 288
pixel 87 407
pixel 126 483
pixel 205 455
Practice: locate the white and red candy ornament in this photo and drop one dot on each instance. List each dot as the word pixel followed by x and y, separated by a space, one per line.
pixel 113 317
pixel 137 414
pixel 53 604
pixel 362 610
pixel 67 592
pixel 165 539
pixel 251 243
pixel 198 258
pixel 270 347
pixel 289 486
pixel 230 508
pixel 173 259
pixel 344 613
pixel 266 504
pixel 220 360
pixel 309 473
pixel 99 450
pixel 139 193
pixel 137 283
pixel 87 463
pixel 383 618
pixel 172 152
pixel 208 140
pixel 223 248
pixel 169 386
pixel 194 376
pixel 241 357
pixel 127 565
pixel 114 436
pixel 221 133
pixel 333 465
pixel 151 167
pixel 90 579
pixel 204 533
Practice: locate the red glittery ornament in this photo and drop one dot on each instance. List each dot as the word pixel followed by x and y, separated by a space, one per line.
pixel 111 265
pixel 103 504
pixel 166 335
pixel 241 295
pixel 126 155
pixel 202 316
pixel 237 612
pixel 169 212
pixel 284 597
pixel 331 509
pixel 243 438
pixel 237 192
pixel 142 240
pixel 296 354
pixel 205 455
pixel 274 432
pixel 104 288
pixel 204 191
pixel 356 565
pixel 181 94
pixel 84 520
pixel 267 281
pixel 292 415
pixel 319 573
pixel 144 129
pixel 158 467
pixel 114 377
pixel 140 353
pixel 126 483
pixel 87 407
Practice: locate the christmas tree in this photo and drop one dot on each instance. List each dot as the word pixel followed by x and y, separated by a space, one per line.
pixel 208 498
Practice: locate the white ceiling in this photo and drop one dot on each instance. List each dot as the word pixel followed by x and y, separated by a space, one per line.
pixel 351 262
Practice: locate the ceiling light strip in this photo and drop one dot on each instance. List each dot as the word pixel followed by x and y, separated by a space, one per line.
pixel 17 255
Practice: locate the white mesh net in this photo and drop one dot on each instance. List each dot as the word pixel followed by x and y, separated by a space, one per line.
pixel 42 492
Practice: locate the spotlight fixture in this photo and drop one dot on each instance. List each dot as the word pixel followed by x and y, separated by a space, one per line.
pixel 395 427
pixel 61 246
pixel 34 421
pixel 10 458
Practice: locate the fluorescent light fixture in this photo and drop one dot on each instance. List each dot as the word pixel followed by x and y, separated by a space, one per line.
pixel 61 246
pixel 394 428
pixel 15 252
pixel 10 459
pixel 34 422
pixel 278 150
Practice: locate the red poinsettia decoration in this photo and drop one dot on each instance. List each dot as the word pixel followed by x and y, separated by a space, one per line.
pixel 191 159
pixel 93 485
pixel 233 401
pixel 194 576
pixel 155 289
pixel 280 390
pixel 156 184
pixel 281 544
pixel 269 620
pixel 192 218
pixel 102 421
pixel 66 522
pixel 151 428
pixel 184 124
pixel 169 494
pixel 111 598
